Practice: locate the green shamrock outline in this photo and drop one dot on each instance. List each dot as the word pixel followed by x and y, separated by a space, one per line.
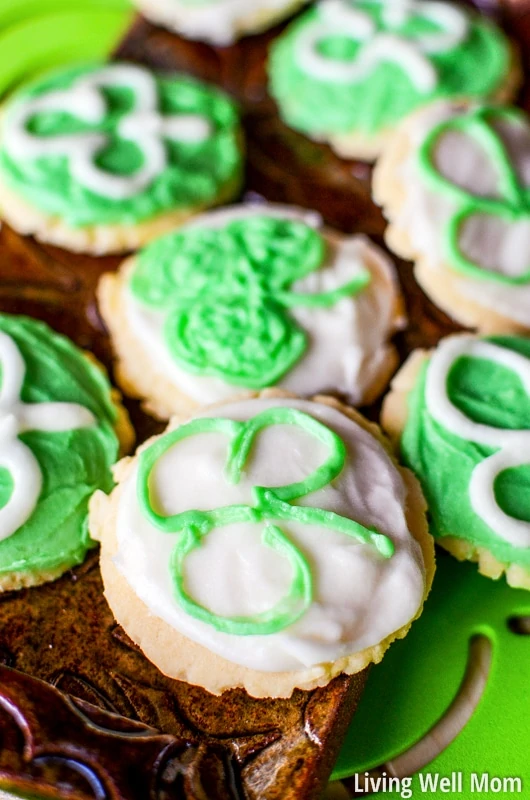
pixel 227 295
pixel 270 503
pixel 514 204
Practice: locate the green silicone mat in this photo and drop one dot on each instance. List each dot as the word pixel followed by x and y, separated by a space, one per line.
pixel 415 685
pixel 36 35
pixel 420 676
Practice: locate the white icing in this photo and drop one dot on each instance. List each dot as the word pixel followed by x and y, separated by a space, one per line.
pixel 513 443
pixel 144 125
pixel 347 342
pixel 342 18
pixel 17 417
pixel 492 243
pixel 484 502
pixel 218 21
pixel 439 403
pixel 360 598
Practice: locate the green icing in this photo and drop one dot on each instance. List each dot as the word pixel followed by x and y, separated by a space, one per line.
pixel 512 203
pixel 270 504
pixel 474 68
pixel 6 486
pixel 74 463
pixel 196 174
pixel 226 294
pixel 487 393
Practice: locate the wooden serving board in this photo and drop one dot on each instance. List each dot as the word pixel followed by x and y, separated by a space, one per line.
pixel 195 746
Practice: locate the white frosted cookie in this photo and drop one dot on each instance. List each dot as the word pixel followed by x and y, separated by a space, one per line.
pixel 249 297
pixel 461 416
pixel 101 159
pixel 269 543
pixel 454 183
pixel 220 22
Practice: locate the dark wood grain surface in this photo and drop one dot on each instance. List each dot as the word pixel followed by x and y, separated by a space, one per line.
pixel 195 746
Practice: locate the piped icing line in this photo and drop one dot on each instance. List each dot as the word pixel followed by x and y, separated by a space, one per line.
pixel 145 125
pixel 381 42
pixel 484 501
pixel 439 403
pixel 270 504
pixel 17 417
pixel 482 483
pixel 512 204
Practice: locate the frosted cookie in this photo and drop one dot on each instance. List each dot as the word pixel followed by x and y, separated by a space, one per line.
pixel 347 71
pixel 60 431
pixel 462 415
pixel 220 22
pixel 269 543
pixel 102 159
pixel 249 297
pixel 454 183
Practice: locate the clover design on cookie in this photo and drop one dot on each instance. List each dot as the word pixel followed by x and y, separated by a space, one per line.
pixel 382 30
pixel 17 417
pixel 144 125
pixel 509 203
pixel 227 294
pixel 504 448
pixel 271 505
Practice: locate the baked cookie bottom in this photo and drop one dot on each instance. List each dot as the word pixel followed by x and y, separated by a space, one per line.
pixel 179 657
pixel 139 376
pixel 440 283
pixel 167 14
pixel 97 240
pixel 124 430
pixel 393 421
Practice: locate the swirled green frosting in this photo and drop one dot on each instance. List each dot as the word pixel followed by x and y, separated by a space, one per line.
pixel 487 393
pixel 226 294
pixel 196 174
pixel 474 68
pixel 73 463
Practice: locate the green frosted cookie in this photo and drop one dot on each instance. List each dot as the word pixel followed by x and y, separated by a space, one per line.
pixel 348 71
pixel 466 437
pixel 103 158
pixel 59 431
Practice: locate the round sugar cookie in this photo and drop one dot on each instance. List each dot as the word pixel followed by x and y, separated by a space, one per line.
pixel 220 22
pixel 101 159
pixel 269 543
pixel 249 297
pixel 348 71
pixel 61 429
pixel 454 183
pixel 461 415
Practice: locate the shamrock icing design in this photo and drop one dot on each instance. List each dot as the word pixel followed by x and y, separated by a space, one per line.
pixel 17 417
pixel 510 445
pixel 270 505
pixel 144 125
pixel 227 292
pixel 511 203
pixel 378 27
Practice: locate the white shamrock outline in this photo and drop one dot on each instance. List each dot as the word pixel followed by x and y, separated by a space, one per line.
pixel 340 18
pixel 144 125
pixel 512 444
pixel 17 417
